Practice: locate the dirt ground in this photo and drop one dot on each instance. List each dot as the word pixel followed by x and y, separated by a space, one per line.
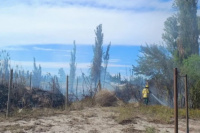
pixel 90 120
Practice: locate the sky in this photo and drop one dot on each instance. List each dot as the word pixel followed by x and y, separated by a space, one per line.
pixel 46 29
pixel 130 22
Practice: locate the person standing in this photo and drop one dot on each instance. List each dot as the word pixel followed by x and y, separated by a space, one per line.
pixel 145 94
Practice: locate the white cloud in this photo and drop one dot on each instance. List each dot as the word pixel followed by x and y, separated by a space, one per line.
pixel 24 24
pixel 114 60
pixel 49 49
pixel 43 49
pixel 13 48
pixel 110 4
pixel 53 65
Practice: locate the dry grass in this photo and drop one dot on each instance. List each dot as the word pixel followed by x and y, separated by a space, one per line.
pixel 33 113
pixel 80 105
pixel 19 114
pixel 154 113
pixel 105 98
pixel 16 128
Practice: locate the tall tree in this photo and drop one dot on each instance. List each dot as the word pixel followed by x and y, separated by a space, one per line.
pixel 156 63
pixel 62 75
pixel 98 52
pixel 170 34
pixel 106 59
pixel 37 74
pixel 187 41
pixel 72 68
pixel 4 65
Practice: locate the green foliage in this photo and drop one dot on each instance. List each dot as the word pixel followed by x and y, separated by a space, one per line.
pixel 171 33
pixel 156 63
pixel 181 38
pixel 195 95
pixel 157 113
pixel 187 42
pixel 191 68
pixel 150 130
pixel 154 60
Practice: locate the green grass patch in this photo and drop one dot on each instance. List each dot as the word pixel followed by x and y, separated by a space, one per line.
pixel 16 114
pixel 150 130
pixel 153 113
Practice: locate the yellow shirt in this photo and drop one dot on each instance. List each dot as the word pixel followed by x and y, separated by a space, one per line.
pixel 145 92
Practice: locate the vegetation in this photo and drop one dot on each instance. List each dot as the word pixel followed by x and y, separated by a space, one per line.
pixel 157 64
pixel 98 53
pixel 150 130
pixel 181 50
pixel 191 68
pixel 106 59
pixel 105 98
pixel 188 35
pixel 84 103
pixel 154 113
pixel 72 69
pixel 37 75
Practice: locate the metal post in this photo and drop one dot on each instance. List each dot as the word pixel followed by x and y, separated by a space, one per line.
pixel 9 91
pixel 175 102
pixel 186 105
pixel 66 99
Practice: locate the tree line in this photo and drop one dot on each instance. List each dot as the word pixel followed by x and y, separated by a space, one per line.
pixel 34 79
pixel 180 49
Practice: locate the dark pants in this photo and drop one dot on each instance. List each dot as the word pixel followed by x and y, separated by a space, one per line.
pixel 146 101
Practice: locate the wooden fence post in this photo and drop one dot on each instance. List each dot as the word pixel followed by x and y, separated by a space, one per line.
pixel 186 105
pixel 175 102
pixel 9 91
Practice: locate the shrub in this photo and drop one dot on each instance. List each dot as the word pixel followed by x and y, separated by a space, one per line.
pixel 79 105
pixel 105 98
pixel 150 130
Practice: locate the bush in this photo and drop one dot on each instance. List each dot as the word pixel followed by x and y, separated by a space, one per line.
pixel 105 98
pixel 3 96
pixel 79 105
pixel 191 68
